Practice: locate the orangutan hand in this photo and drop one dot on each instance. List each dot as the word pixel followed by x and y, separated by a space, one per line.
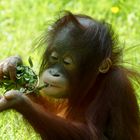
pixel 12 99
pixel 8 67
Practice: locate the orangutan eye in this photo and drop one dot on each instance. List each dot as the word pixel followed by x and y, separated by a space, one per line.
pixel 54 56
pixel 68 61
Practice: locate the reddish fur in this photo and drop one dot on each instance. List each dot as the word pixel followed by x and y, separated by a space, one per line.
pixel 105 108
pixel 101 106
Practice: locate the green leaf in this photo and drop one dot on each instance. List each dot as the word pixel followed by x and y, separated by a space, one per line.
pixel 30 62
pixel 26 80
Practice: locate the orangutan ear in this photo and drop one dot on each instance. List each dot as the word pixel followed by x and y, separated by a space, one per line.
pixel 105 65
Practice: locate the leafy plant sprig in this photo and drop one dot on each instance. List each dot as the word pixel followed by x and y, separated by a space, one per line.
pixel 26 80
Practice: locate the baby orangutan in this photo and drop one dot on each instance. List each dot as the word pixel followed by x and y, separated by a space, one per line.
pixel 94 97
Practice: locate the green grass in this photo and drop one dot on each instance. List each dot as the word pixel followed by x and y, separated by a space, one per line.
pixel 22 21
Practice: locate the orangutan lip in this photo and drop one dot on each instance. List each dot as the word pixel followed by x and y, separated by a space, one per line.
pixel 50 85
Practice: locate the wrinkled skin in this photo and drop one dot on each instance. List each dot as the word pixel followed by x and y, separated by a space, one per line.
pixel 12 99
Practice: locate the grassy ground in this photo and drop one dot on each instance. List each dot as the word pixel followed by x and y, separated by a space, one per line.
pixel 22 21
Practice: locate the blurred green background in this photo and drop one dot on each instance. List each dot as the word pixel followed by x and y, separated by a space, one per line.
pixel 23 21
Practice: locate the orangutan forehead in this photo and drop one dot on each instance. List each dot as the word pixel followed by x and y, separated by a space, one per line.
pixel 68 35
pixel 64 38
